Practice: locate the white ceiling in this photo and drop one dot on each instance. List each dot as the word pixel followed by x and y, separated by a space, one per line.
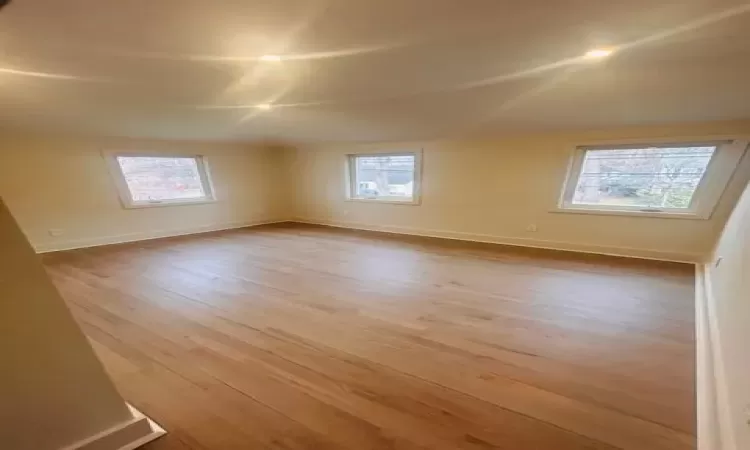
pixel 364 70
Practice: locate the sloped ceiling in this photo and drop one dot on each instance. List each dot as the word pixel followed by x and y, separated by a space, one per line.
pixel 359 70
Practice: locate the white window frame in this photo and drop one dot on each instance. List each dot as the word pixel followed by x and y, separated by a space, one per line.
pixel 126 198
pixel 718 173
pixel 351 178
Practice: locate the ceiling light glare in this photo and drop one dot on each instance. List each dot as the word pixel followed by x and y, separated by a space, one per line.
pixel 270 58
pixel 264 106
pixel 598 53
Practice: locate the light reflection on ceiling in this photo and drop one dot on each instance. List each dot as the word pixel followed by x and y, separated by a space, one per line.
pixel 405 78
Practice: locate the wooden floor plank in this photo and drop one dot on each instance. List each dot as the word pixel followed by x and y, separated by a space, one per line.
pixel 304 337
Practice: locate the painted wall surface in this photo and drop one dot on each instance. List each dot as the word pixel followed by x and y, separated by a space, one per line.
pixel 54 391
pixel 492 191
pixel 730 289
pixel 65 184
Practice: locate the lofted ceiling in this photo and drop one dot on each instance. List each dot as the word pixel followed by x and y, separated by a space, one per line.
pixel 368 70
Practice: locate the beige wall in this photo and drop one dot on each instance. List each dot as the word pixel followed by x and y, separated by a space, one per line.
pixel 492 191
pixel 65 184
pixel 489 191
pixel 53 390
pixel 730 305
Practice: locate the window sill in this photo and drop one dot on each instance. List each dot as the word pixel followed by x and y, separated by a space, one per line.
pixel 415 202
pixel 652 214
pixel 168 203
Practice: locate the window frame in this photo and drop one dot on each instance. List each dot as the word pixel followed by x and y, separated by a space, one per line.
pixel 123 191
pixel 351 178
pixel 718 173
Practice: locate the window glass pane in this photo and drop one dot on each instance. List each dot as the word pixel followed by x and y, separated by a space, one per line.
pixel 644 177
pixel 390 177
pixel 161 178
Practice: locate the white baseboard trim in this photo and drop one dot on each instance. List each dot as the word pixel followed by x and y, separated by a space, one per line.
pixel 128 435
pixel 146 235
pixel 708 420
pixel 513 241
pixel 714 414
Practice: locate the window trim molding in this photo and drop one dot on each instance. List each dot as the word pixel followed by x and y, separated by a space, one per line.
pixel 123 192
pixel 707 194
pixel 350 179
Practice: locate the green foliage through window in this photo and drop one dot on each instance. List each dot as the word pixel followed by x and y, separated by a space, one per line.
pixel 642 177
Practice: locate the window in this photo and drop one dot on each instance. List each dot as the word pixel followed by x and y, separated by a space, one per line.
pixel 161 180
pixel 391 177
pixel 663 180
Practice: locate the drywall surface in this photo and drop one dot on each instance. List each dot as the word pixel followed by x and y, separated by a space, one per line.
pixel 54 391
pixel 492 191
pixel 730 306
pixel 65 185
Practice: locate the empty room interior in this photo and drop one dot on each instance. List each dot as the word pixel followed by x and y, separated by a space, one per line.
pixel 393 224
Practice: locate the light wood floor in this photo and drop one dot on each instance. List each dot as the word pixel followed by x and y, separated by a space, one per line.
pixel 302 337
